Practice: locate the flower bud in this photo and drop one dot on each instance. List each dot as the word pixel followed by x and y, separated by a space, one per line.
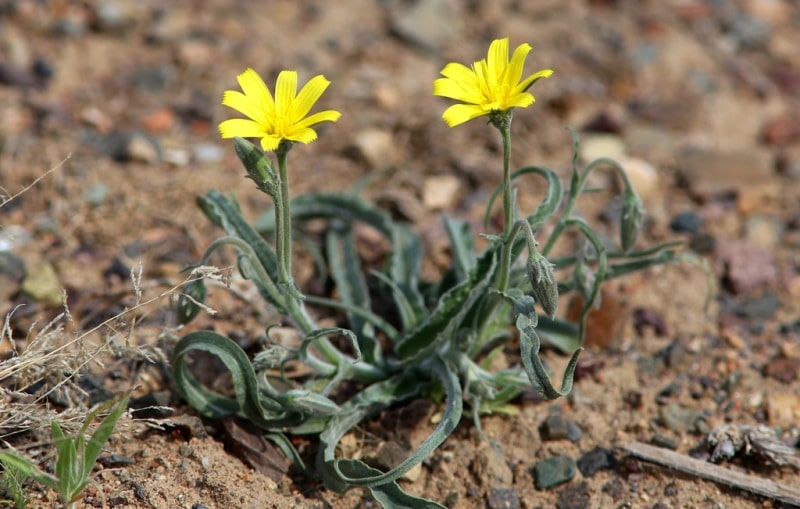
pixel 258 165
pixel 188 302
pixel 630 220
pixel 543 282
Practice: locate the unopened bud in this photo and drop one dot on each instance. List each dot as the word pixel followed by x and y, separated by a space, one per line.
pixel 258 165
pixel 543 283
pixel 631 219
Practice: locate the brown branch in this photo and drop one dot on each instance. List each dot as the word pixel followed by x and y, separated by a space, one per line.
pixel 711 472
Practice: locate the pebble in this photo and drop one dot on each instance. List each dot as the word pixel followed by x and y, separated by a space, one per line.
pixel 503 498
pixel 787 162
pixel 208 152
pixel 763 231
pixel 664 442
pixel 556 427
pixel 390 454
pixel 441 192
pixel 783 369
pixel 709 173
pixel 129 146
pixel 643 177
pixel 595 460
pixel 12 272
pixel 781 130
pixel 688 221
pixel 783 408
pixel 553 471
pixel 681 420
pixel 491 466
pixel 644 318
pixel 596 146
pixel 575 496
pixel 746 266
pixel 41 283
pixel 429 25
pixel 758 308
pixel 377 148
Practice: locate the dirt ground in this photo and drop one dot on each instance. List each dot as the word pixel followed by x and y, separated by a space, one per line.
pixel 699 99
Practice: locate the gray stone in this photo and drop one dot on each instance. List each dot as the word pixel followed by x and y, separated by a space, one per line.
pixel 553 471
pixel 710 172
pixel 491 467
pixel 681 420
pixel 503 498
pixel 428 24
pixel 595 460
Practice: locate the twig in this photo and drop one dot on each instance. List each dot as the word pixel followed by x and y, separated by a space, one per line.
pixel 711 472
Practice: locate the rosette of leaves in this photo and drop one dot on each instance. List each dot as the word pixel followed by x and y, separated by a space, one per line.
pixel 408 337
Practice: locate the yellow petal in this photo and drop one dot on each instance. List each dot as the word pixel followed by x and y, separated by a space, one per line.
pixel 270 142
pixel 522 100
pixel 309 95
pixel 497 60
pixel 515 67
pixel 255 89
pixel 316 118
pixel 244 105
pixel 241 127
pixel 533 78
pixel 305 135
pixel 460 113
pixel 285 90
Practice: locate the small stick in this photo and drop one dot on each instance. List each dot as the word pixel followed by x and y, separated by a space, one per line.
pixel 712 472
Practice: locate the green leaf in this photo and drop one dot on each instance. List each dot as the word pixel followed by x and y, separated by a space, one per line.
pixel 28 468
pixel 210 403
pixel 529 350
pixel 345 473
pixel 226 214
pixel 390 495
pixel 345 264
pixel 67 469
pixel 559 334
pixel 405 259
pixel 368 402
pixel 462 246
pixel 549 205
pixel 450 311
pixel 101 435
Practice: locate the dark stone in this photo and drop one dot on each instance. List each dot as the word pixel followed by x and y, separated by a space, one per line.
pixel 614 489
pixel 688 221
pixel 703 243
pixel 671 490
pixel 783 369
pixel 757 308
pixel 595 460
pixel 574 432
pixel 574 497
pixel 664 442
pixel 554 427
pixel 644 318
pixel 553 471
pixel 503 498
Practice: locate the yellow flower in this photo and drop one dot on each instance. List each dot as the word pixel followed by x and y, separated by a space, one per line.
pixel 492 85
pixel 278 119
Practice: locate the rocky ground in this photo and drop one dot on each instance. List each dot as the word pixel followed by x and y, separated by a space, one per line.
pixel 113 105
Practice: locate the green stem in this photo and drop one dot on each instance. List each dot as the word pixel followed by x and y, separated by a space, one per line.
pixel 575 193
pixel 293 298
pixel 503 123
pixel 283 218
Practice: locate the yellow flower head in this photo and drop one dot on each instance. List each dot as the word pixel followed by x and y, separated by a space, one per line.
pixel 491 85
pixel 278 119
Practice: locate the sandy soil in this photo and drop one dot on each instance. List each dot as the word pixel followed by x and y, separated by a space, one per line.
pixel 699 99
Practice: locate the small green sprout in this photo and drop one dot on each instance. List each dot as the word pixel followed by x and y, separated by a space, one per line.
pixel 75 456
